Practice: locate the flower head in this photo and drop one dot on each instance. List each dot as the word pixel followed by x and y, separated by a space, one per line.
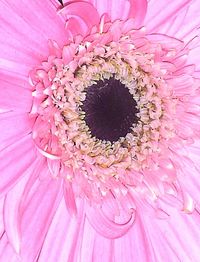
pixel 100 130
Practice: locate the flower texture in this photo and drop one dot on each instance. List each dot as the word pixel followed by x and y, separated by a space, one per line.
pixel 99 130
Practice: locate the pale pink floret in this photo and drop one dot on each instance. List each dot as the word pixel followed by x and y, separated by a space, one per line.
pixel 45 213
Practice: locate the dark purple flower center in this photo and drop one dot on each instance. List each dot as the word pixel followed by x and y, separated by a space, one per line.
pixel 110 110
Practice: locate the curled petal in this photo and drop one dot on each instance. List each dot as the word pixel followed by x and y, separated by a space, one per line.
pixel 81 10
pixel 47 154
pixel 76 26
pixel 106 227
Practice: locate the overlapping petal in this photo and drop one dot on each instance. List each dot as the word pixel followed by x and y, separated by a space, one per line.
pixel 123 10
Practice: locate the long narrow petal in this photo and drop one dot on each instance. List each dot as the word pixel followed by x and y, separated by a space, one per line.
pixel 68 230
pixel 12 204
pixel 27 32
pixel 10 99
pixel 178 235
pixel 10 129
pixel 11 213
pixel 13 167
pixel 163 12
pixel 123 10
pixel 44 198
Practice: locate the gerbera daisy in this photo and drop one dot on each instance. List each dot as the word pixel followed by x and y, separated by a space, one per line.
pixel 99 130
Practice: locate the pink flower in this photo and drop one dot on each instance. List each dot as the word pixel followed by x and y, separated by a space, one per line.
pixel 99 124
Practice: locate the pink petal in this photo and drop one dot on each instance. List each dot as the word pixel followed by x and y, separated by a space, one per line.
pixel 189 171
pixel 13 207
pixel 11 213
pixel 1 217
pixel 183 24
pixel 10 98
pixel 135 245
pixel 12 79
pixel 88 242
pixel 81 11
pixel 103 249
pixel 138 11
pixel 37 215
pixel 178 236
pixel 167 41
pixel 160 13
pixel 123 10
pixel 15 161
pixel 10 129
pixel 183 85
pixel 6 251
pixel 75 27
pixel 68 231
pixel 32 24
pixel 105 226
pixel 193 58
pixel 191 22
pixel 119 11
pixel 3 243
pixel 68 51
pixel 104 6
pixel 70 198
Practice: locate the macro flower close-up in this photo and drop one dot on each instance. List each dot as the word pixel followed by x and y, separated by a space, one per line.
pixel 99 130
